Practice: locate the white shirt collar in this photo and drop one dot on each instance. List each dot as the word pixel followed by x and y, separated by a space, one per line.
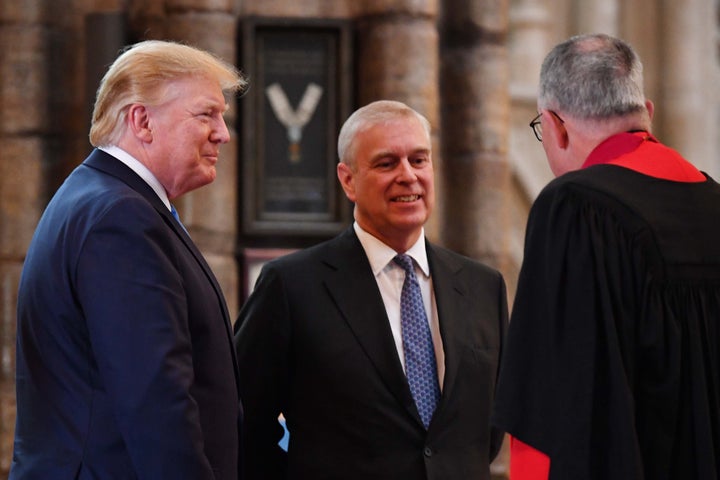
pixel 137 167
pixel 380 254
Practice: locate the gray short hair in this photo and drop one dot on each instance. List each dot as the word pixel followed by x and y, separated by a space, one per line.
pixel 592 76
pixel 379 112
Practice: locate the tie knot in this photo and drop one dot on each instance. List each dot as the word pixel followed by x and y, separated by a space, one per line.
pixel 406 262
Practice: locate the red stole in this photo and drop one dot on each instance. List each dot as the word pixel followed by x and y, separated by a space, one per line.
pixel 640 151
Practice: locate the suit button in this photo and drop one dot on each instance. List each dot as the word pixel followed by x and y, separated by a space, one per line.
pixel 427 451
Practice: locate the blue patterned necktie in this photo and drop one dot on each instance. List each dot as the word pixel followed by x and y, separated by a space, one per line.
pixel 420 364
pixel 177 217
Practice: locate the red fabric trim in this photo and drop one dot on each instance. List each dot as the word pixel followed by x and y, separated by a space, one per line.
pixel 527 463
pixel 640 151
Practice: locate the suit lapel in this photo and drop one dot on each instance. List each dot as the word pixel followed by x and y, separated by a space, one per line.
pixel 108 164
pixel 453 306
pixel 362 307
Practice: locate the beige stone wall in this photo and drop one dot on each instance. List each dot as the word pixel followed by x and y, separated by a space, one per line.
pixel 470 66
pixel 37 106
pixel 475 128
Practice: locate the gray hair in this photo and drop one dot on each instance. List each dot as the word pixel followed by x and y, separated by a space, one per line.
pixel 372 114
pixel 139 74
pixel 592 77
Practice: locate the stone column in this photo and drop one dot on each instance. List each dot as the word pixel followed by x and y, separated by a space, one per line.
pixel 689 81
pixel 23 113
pixel 397 51
pixel 597 16
pixel 529 42
pixel 644 32
pixel 476 121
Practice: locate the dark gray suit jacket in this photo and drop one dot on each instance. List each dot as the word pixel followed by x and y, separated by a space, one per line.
pixel 314 342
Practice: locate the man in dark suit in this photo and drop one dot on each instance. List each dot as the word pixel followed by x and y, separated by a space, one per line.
pixel 321 339
pixel 125 362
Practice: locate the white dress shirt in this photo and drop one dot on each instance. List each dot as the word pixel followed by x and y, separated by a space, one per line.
pixel 390 277
pixel 137 167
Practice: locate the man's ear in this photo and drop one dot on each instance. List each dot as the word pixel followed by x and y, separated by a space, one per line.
pixel 556 129
pixel 650 108
pixel 345 176
pixel 138 120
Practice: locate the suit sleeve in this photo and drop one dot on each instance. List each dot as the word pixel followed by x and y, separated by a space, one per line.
pixel 262 341
pixel 134 302
pixel 497 435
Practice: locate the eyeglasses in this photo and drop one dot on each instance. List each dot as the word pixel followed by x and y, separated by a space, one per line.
pixel 537 126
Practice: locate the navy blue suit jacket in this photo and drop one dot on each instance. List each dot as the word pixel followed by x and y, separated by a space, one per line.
pixel 314 342
pixel 125 365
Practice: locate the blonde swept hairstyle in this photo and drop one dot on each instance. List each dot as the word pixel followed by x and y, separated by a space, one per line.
pixel 140 74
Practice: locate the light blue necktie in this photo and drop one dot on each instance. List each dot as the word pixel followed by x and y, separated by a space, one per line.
pixel 177 217
pixel 420 364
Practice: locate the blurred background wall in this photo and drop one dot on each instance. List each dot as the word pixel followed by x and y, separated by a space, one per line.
pixel 470 66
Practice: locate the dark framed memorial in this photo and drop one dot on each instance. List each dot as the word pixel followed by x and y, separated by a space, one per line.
pixel 300 93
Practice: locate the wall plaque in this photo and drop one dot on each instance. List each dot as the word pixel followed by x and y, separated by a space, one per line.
pixel 300 93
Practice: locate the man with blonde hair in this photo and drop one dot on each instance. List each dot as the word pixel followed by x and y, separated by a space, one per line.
pixel 125 365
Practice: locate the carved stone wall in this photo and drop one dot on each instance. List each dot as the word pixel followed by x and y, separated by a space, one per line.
pixel 470 66
pixel 475 78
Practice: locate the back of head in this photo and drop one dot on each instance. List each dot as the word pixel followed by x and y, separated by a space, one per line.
pixel 372 114
pixel 592 77
pixel 140 74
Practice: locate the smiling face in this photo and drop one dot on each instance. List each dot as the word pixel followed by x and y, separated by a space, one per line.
pixel 391 181
pixel 185 133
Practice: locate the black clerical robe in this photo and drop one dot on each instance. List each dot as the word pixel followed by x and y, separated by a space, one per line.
pixel 612 361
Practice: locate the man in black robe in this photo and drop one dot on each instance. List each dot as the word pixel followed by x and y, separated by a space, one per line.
pixel 612 364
